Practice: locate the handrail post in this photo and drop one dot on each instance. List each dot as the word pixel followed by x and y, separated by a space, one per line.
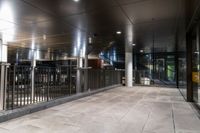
pixel 3 86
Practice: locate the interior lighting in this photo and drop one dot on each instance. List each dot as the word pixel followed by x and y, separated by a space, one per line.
pixel 119 32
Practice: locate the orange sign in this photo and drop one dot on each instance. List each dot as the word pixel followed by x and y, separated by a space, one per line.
pixel 196 77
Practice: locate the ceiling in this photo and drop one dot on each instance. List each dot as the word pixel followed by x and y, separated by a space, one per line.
pixel 66 25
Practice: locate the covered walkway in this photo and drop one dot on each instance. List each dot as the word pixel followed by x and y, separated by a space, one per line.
pixel 120 110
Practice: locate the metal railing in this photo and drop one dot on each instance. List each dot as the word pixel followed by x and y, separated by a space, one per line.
pixel 18 92
pixel 49 83
pixel 103 78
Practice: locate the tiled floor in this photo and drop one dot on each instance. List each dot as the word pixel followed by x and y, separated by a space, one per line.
pixel 120 110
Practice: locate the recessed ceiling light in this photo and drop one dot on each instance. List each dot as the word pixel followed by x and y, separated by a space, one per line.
pixel 44 37
pixel 76 0
pixel 119 32
pixel 133 44
pixel 141 51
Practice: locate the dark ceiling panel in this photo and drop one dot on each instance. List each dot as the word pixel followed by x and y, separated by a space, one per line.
pixel 151 9
pixel 68 24
pixel 106 21
pixel 17 11
pixel 70 7
pixel 124 2
pixel 38 30
pixel 159 32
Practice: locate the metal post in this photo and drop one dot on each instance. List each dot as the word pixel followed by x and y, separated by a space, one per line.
pixel 2 93
pixel 33 65
pixel 3 80
pixel 5 85
pixel 86 73
pixel 48 82
pixel 78 76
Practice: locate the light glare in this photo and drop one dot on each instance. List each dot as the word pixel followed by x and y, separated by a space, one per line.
pixel 119 32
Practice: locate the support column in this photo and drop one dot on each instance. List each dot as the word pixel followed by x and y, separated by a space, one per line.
pixel 78 74
pixel 3 86
pixel 3 76
pixel 128 64
pixel 86 73
pixel 33 65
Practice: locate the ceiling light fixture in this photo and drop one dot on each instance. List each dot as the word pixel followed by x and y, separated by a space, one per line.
pixel 119 32
pixel 141 51
pixel 76 0
pixel 44 37
pixel 133 44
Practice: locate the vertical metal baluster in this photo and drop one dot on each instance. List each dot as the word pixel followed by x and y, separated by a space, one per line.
pixel 27 87
pixel 37 84
pixel 40 87
pixel 28 83
pixel 47 84
pixel 11 86
pixel 53 83
pixel 70 81
pixel 41 90
pixel 7 98
pixel 48 72
pixel 44 80
pixel 56 81
pixel 37 80
pixel 50 95
pixel 40 83
pixel 21 86
pixel 24 84
pixel 9 90
pixel 17 85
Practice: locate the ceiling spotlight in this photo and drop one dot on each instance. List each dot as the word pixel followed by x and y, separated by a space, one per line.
pixel 141 51
pixel 44 37
pixel 119 32
pixel 76 0
pixel 133 44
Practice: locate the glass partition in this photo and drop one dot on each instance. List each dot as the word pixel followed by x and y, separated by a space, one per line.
pixel 196 65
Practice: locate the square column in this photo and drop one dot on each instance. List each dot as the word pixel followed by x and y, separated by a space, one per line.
pixel 129 69
pixel 128 64
pixel 78 74
pixel 3 75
